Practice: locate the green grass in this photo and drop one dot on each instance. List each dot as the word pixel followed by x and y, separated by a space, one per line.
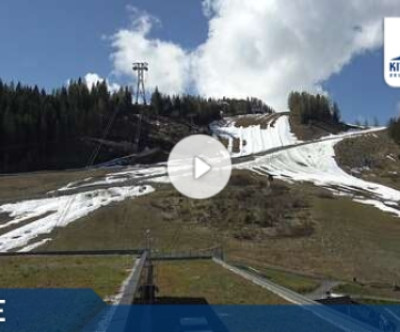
pixel 249 208
pixel 124 225
pixel 315 129
pixel 350 240
pixel 205 279
pixel 31 185
pixel 295 282
pixel 352 288
pixel 374 294
pixel 102 274
pixel 178 223
pixel 371 151
pixel 372 301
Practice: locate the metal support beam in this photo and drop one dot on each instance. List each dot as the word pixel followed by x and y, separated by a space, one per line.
pixel 141 68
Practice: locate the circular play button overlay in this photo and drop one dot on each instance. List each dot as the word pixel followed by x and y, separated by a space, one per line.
pixel 199 167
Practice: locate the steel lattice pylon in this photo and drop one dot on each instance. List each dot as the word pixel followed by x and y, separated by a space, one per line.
pixel 141 68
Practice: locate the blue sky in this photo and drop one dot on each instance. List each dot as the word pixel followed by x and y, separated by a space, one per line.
pixel 46 42
pixel 50 41
pixel 361 91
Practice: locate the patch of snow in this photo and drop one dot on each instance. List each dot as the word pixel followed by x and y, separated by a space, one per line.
pixel 87 183
pixel 380 205
pixel 140 172
pixel 132 173
pixel 35 245
pixel 59 211
pixel 359 170
pixel 315 162
pixel 390 157
pixel 356 126
pixel 336 295
pixel 254 139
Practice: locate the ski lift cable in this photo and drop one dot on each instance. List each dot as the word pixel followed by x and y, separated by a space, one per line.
pixel 90 163
pixel 94 155
pixel 97 150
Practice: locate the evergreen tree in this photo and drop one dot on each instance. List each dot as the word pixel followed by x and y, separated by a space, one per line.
pixel 157 102
pixel 306 108
pixel 40 129
pixel 336 113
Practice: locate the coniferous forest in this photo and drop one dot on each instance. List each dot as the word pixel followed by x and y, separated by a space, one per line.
pixel 307 108
pixel 43 131
pixel 57 130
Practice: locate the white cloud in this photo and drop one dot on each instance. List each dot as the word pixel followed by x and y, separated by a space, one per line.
pixel 261 48
pixel 91 79
pixel 269 48
pixel 168 62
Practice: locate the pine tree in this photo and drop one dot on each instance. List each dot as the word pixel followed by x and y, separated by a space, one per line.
pixel 336 113
pixel 157 102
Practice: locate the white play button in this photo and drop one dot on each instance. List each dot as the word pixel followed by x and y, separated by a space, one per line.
pixel 199 167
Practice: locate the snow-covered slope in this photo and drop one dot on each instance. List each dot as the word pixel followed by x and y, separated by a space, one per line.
pixel 272 132
pixel 286 158
pixel 49 213
pixel 301 161
pixel 315 162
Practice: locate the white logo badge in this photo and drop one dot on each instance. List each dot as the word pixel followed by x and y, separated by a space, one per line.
pixel 392 51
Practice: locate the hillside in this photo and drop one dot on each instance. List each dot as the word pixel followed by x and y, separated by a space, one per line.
pixel 373 157
pixel 74 126
pixel 281 155
pixel 314 116
pixel 317 129
pixel 297 207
